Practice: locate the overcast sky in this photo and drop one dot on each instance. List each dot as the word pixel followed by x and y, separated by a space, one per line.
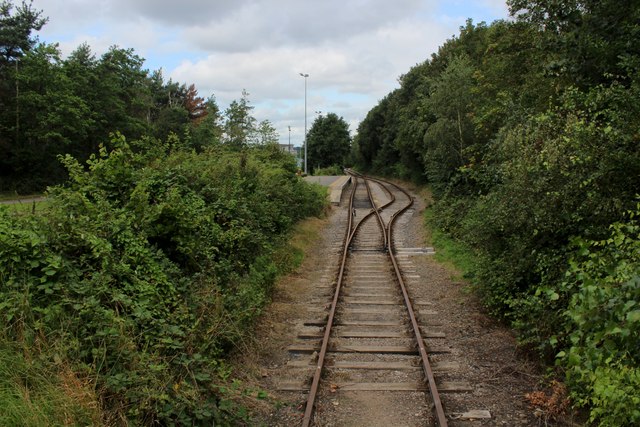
pixel 353 50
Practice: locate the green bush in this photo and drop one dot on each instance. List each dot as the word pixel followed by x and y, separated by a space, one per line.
pixel 329 170
pixel 148 267
pixel 603 325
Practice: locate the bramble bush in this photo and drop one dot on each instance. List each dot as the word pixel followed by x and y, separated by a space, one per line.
pixel 148 267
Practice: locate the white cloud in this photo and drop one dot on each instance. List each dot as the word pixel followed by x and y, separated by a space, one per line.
pixel 354 51
pixel 174 13
pixel 298 23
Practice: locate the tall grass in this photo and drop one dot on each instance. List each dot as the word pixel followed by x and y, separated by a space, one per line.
pixel 35 392
pixel 450 252
pixel 26 208
pixel 305 234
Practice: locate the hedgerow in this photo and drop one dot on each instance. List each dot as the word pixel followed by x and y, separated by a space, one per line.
pixel 147 269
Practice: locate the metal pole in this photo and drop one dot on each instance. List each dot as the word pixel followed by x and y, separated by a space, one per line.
pixel 305 121
pixel 289 139
pixel 17 102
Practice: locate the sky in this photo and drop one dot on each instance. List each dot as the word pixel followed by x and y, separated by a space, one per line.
pixel 354 51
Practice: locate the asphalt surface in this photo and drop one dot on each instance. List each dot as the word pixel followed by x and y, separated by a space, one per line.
pixel 25 200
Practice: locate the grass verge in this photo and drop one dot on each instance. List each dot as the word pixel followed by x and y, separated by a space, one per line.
pixel 34 392
pixel 15 196
pixel 452 253
pixel 26 208
pixel 291 253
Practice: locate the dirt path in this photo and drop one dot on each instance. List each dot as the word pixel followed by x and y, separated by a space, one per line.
pixel 26 200
pixel 483 353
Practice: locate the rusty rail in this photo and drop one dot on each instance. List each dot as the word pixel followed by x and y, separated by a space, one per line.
pixel 389 246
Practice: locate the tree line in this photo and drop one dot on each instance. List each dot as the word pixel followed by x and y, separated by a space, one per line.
pixel 50 105
pixel 528 132
pixel 122 295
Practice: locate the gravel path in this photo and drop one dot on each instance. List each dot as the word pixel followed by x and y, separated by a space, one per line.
pixel 483 353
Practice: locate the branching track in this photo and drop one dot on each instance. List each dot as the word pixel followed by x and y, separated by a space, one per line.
pixel 371 339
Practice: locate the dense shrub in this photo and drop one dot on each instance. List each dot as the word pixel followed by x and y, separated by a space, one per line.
pixel 602 328
pixel 528 135
pixel 148 268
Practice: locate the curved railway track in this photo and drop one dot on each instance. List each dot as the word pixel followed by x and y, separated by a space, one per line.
pixel 371 339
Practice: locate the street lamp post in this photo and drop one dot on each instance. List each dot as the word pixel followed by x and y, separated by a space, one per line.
pixel 289 139
pixel 305 120
pixel 17 102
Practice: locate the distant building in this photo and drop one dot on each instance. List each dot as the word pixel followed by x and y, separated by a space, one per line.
pixel 286 148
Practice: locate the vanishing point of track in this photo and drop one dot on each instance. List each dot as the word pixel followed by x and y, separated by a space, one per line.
pixel 371 326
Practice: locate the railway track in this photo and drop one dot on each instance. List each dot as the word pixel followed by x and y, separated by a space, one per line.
pixel 371 340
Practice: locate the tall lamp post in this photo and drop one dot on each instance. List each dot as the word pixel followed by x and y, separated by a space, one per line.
pixel 17 102
pixel 305 120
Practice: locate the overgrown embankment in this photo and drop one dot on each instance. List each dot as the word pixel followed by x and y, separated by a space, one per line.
pixel 528 132
pixel 146 269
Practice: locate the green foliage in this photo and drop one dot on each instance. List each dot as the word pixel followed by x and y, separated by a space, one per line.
pixel 565 159
pixel 329 142
pixel 589 41
pixel 16 28
pixel 148 267
pixel 376 138
pixel 449 139
pixel 603 324
pixel 448 249
pixel 527 131
pixel 330 171
pixel 240 126
pixel 267 134
pixel 50 106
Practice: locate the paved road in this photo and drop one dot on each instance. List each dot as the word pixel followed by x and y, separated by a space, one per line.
pixel 25 200
pixel 335 183
pixel 322 180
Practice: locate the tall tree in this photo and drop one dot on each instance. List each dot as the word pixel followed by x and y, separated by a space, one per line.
pixel 267 133
pixel 50 120
pixel 240 125
pixel 195 105
pixel 209 130
pixel 447 141
pixel 125 96
pixel 374 140
pixel 329 141
pixel 16 29
pixel 81 70
pixel 589 41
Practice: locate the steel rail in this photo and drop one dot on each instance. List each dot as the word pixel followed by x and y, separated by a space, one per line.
pixel 377 212
pixel 388 245
pixel 373 210
pixel 315 383
pixel 426 365
pixel 349 235
pixel 424 356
